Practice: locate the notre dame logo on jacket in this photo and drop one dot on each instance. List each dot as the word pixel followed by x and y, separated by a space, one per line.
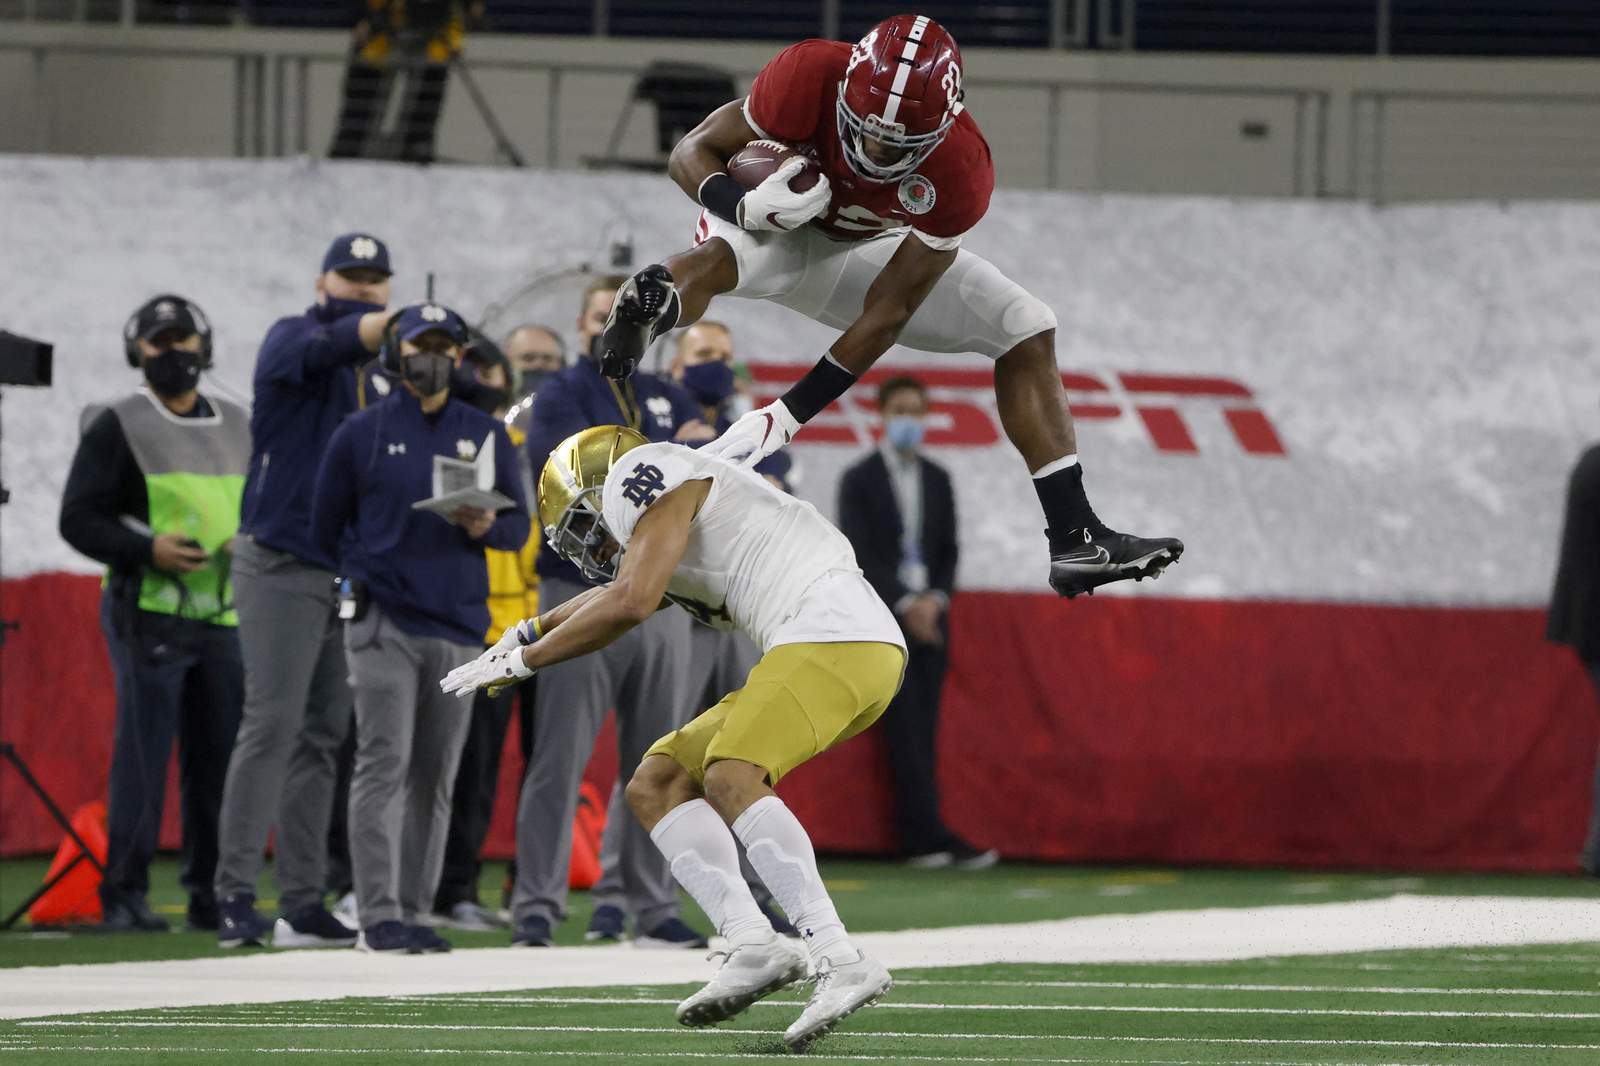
pixel 194 470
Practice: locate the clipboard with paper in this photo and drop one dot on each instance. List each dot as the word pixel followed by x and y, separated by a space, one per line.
pixel 463 483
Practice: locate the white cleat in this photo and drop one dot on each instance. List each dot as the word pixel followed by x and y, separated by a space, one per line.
pixel 842 989
pixel 748 972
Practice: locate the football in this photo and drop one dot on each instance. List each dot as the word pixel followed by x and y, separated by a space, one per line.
pixel 755 162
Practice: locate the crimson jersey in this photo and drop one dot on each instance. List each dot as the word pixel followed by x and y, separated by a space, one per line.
pixel 793 100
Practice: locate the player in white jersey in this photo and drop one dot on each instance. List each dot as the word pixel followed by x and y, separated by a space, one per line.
pixel 658 524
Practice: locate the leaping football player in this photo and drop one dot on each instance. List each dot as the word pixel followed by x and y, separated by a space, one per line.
pixel 874 249
pixel 657 524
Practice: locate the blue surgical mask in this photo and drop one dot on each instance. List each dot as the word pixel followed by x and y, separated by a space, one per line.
pixel 903 432
pixel 710 383
pixel 334 308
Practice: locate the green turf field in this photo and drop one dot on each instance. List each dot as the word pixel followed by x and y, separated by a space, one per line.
pixel 1522 1007
pixel 1472 1007
pixel 871 896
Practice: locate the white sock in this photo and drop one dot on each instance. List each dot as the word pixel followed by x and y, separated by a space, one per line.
pixel 705 860
pixel 1063 463
pixel 781 852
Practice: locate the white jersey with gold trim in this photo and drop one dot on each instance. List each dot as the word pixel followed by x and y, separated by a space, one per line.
pixel 758 559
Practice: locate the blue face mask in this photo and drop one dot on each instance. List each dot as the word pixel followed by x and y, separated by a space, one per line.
pixel 335 308
pixel 903 432
pixel 710 383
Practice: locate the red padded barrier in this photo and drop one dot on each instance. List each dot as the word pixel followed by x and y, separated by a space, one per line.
pixel 1113 729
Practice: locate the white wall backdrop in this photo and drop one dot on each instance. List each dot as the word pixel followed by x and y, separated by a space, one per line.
pixel 1430 372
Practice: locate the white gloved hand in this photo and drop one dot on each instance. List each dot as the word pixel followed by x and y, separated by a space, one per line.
pixel 493 668
pixel 755 436
pixel 772 205
pixel 515 636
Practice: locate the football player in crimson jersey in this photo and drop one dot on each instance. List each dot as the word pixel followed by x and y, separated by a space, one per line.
pixel 874 249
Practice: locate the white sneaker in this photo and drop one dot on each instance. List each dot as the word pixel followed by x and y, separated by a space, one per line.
pixel 469 917
pixel 843 987
pixel 748 972
pixel 345 911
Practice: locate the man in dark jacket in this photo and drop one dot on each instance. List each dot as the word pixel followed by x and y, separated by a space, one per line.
pixel 153 493
pixel 898 509
pixel 297 692
pixel 644 676
pixel 1575 604
pixel 420 583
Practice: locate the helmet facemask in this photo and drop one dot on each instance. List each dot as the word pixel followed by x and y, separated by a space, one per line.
pixel 581 538
pixel 854 131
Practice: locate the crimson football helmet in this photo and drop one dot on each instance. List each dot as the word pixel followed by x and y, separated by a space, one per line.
pixel 899 96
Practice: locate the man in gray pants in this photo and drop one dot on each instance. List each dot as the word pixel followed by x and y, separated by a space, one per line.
pixel 644 676
pixel 297 699
pixel 423 613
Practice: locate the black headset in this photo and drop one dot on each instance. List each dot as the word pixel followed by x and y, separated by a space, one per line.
pixel 202 327
pixel 389 349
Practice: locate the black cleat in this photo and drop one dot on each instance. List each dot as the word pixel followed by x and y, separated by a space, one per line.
pixel 1094 559
pixel 646 307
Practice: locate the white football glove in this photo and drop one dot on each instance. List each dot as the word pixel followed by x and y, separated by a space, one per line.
pixel 755 435
pixel 515 636
pixel 772 205
pixel 493 669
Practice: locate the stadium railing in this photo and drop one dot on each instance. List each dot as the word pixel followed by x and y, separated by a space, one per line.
pixel 1329 27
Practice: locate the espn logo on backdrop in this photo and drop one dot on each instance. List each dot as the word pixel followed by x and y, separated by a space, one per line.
pixel 962 411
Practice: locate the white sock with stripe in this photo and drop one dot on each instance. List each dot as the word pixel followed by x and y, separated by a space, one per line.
pixel 705 860
pixel 781 852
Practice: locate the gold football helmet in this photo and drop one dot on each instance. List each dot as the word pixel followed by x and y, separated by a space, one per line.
pixel 569 497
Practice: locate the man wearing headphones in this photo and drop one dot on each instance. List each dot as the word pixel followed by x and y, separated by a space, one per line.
pixel 415 606
pixel 297 692
pixel 153 493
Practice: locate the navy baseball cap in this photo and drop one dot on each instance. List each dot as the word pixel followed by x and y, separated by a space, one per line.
pixel 350 251
pixel 414 321
pixel 163 313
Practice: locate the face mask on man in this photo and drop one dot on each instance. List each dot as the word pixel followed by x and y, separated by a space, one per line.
pixel 428 372
pixel 903 432
pixel 530 380
pixel 710 383
pixel 172 372
pixel 335 307
pixel 489 399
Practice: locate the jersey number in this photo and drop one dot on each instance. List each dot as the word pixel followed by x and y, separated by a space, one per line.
pixel 856 217
pixel 703 612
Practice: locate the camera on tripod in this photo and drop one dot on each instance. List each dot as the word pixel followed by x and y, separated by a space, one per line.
pixel 24 361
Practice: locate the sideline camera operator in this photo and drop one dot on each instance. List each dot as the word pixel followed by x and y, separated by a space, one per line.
pixel 154 494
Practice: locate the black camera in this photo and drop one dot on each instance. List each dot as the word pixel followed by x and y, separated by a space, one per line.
pixel 24 361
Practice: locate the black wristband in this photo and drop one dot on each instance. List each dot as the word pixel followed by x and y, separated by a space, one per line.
pixel 823 384
pixel 720 195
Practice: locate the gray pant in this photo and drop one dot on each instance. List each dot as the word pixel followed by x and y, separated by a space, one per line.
pixel 408 741
pixel 719 662
pixel 643 676
pixel 296 715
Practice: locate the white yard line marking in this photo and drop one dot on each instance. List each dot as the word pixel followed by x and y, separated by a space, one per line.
pixel 1178 937
pixel 1077 1008
pixel 1199 987
pixel 811 1055
pixel 876 1035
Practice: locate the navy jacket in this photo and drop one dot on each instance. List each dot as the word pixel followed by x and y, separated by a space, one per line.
pixel 426 574
pixel 870 518
pixel 1575 603
pixel 305 385
pixel 577 398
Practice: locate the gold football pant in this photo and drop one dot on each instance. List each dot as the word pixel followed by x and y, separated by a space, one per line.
pixel 799 701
